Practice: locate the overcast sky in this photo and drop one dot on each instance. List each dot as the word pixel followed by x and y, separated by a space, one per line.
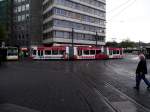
pixel 128 19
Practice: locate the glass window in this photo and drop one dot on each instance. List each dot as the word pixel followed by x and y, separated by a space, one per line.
pixel 86 52
pixel 114 52
pixel 92 52
pixel 23 7
pixel 19 9
pixel 54 52
pixel 19 18
pixel 27 16
pixel 27 6
pixel 12 52
pixel 98 51
pixel 110 52
pixel 39 52
pixel 80 52
pixel 61 52
pixel 117 51
pixel 48 52
pixel 23 17
pixel 59 34
pixel 121 52
pixel 34 52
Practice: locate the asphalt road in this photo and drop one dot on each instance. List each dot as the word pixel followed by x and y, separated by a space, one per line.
pixel 79 86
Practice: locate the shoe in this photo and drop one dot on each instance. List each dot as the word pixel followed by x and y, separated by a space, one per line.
pixel 137 88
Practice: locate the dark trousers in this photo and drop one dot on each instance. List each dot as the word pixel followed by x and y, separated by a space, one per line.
pixel 139 77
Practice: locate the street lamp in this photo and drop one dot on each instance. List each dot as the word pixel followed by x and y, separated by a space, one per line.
pixel 71 48
pixel 96 37
pixel 72 37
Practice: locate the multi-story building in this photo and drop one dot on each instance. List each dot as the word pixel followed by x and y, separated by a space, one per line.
pixel 27 22
pixel 5 17
pixel 55 22
pixel 79 21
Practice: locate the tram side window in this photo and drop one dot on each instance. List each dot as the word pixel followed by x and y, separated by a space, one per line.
pixel 86 52
pixel 54 52
pixel 39 52
pixel 117 51
pixel 92 52
pixel 48 52
pixel 98 51
pixel 110 52
pixel 121 52
pixel 80 52
pixel 114 52
pixel 34 52
pixel 61 52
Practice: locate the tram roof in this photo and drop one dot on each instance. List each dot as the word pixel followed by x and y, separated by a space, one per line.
pixel 88 48
pixel 112 48
pixel 52 48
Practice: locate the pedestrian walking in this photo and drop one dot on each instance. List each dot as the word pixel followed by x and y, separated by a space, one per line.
pixel 141 71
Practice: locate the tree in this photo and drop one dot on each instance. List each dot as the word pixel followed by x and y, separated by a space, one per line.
pixel 112 44
pixel 127 44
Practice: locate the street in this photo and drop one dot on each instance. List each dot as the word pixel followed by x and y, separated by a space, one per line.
pixel 72 86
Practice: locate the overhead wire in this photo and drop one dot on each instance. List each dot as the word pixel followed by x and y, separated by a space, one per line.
pixel 119 6
pixel 120 12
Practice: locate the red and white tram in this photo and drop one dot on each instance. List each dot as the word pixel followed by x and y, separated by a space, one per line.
pixel 114 53
pixel 46 53
pixel 85 52
pixel 75 53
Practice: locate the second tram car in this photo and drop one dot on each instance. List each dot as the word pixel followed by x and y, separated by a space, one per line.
pixel 84 52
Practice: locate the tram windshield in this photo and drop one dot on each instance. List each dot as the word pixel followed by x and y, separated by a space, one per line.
pixel 12 51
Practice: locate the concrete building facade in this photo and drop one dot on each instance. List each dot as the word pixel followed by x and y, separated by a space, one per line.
pixel 82 20
pixel 27 22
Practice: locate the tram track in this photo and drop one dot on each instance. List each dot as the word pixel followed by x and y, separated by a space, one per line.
pixel 92 85
pixel 131 76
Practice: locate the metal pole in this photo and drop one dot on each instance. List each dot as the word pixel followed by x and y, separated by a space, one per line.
pixel 96 39
pixel 140 45
pixel 72 37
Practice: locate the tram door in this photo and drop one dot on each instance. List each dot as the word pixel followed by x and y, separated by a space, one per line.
pixel 40 53
pixel 71 53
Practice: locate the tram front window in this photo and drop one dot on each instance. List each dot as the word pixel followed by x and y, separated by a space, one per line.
pixel 92 52
pixel 34 52
pixel 61 52
pixel 98 51
pixel 12 52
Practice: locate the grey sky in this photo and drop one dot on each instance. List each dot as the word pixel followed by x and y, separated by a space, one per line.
pixel 129 20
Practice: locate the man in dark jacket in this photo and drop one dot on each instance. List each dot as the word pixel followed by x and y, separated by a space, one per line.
pixel 141 71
